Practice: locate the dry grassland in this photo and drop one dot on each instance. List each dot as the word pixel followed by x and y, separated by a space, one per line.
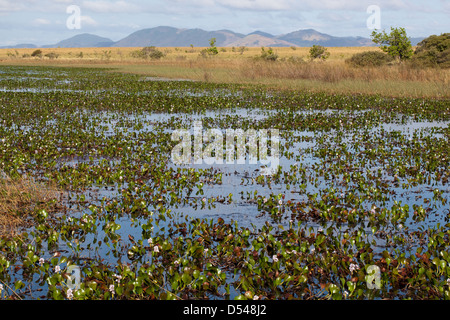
pixel 292 70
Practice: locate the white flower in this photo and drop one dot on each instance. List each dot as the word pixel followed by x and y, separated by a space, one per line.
pixel 176 262
pixel 57 269
pixel 353 267
pixel 275 258
pixel 255 297
pixel 150 241
pixel 1 287
pixel 400 226
pixel 156 249
pixel 265 200
pixel 41 261
pixel 111 288
pixel 280 202
pixel 448 281
pixel 69 293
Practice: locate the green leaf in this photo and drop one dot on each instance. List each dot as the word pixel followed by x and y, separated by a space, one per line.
pixel 436 261
pixel 19 285
pixel 57 295
pixel 186 278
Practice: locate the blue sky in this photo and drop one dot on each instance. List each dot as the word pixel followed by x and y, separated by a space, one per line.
pixel 43 22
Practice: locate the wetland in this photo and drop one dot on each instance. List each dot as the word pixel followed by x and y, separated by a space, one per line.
pixel 361 182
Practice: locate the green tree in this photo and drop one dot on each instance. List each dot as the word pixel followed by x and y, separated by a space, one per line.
pixel 433 51
pixel 318 52
pixel 212 50
pixel 396 43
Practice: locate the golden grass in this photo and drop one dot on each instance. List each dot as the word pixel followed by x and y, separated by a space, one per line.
pixel 21 197
pixel 292 71
pixel 172 53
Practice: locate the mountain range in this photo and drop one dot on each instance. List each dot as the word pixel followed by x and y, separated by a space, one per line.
pixel 175 37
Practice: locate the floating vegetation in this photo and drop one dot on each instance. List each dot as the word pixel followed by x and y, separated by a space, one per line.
pixel 362 185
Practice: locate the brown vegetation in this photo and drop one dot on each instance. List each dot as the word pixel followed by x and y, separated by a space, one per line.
pixel 19 198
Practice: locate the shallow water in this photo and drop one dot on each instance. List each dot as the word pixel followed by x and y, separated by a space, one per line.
pixel 235 198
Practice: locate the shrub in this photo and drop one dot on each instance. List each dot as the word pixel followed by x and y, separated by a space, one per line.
pixel 268 55
pixel 52 55
pixel 148 52
pixel 370 59
pixel 242 49
pixel 212 50
pixel 106 54
pixel 433 51
pixel 37 53
pixel 318 52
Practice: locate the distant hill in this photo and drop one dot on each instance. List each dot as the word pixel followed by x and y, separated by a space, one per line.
pixel 165 36
pixel 173 37
pixel 308 37
pixel 257 40
pixel 20 46
pixel 82 41
pixel 261 33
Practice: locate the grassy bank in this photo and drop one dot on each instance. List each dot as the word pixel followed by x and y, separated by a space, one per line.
pixel 291 71
pixel 19 198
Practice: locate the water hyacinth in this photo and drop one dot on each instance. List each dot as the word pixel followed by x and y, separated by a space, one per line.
pixel 69 294
pixel 353 267
pixel 361 184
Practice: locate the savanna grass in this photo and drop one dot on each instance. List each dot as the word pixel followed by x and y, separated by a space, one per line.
pixel 20 198
pixel 292 70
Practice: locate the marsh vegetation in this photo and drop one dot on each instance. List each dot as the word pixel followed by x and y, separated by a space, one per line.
pixel 362 181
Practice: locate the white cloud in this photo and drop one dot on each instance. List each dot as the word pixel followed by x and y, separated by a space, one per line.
pixel 8 6
pixel 295 5
pixel 41 22
pixel 103 6
pixel 88 21
pixel 334 17
pixel 446 6
pixel 264 5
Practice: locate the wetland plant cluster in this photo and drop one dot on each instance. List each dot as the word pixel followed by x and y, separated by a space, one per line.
pixel 362 182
